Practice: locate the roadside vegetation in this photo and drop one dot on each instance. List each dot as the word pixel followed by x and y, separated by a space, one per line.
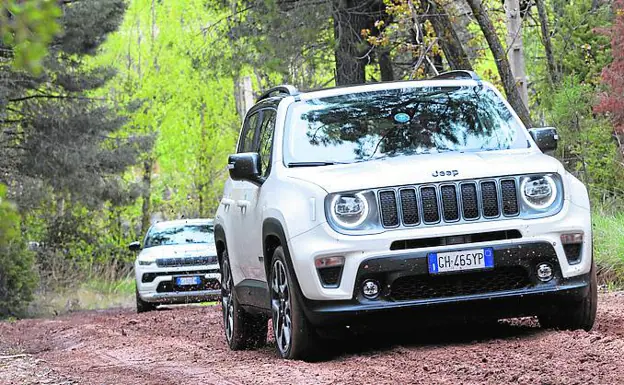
pixel 114 114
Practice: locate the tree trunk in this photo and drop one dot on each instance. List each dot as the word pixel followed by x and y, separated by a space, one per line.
pixel 504 70
pixel 147 189
pixel 449 41
pixel 553 76
pixel 385 66
pixel 348 22
pixel 515 47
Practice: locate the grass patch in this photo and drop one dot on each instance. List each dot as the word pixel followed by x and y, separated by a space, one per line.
pixel 609 248
pixel 94 294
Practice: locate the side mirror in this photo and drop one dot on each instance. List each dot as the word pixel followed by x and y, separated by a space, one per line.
pixel 546 138
pixel 135 246
pixel 246 166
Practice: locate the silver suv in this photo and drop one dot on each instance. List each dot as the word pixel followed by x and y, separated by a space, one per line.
pixel 396 202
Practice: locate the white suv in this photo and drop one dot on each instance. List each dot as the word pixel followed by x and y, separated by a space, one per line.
pixel 177 264
pixel 390 203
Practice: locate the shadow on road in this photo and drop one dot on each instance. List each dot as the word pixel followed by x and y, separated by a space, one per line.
pixel 350 343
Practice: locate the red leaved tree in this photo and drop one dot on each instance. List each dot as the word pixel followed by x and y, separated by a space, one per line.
pixel 612 101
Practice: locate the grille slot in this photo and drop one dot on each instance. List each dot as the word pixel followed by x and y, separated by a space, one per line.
pixel 429 197
pixel 450 211
pixel 389 211
pixel 510 197
pixel 470 205
pixel 422 287
pixel 489 199
pixel 409 207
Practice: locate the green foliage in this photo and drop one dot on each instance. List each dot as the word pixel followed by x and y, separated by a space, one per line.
pixel 27 27
pixel 166 60
pixel 586 147
pixel 17 277
pixel 609 246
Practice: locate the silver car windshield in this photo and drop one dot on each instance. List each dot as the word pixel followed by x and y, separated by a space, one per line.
pixel 177 235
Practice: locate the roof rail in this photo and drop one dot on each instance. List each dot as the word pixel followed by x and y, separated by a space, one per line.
pixel 284 89
pixel 458 74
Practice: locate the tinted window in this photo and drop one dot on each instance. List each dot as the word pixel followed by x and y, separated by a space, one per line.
pixel 178 235
pixel 265 141
pixel 249 129
pixel 362 126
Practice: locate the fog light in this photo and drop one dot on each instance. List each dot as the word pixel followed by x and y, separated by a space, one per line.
pixel 544 272
pixel 370 288
pixel 570 238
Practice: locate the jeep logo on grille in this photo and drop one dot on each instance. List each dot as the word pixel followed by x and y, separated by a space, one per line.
pixel 445 172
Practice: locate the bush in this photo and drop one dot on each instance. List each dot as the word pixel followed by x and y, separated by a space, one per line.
pixel 609 247
pixel 587 147
pixel 17 276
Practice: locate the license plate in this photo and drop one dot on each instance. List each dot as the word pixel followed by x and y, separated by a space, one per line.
pixel 461 260
pixel 187 281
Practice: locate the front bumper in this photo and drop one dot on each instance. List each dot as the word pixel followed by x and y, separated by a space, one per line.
pixel 410 293
pixel 157 285
pixel 323 241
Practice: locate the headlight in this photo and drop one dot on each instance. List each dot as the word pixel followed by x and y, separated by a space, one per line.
pixel 538 192
pixel 145 263
pixel 349 210
pixel 353 212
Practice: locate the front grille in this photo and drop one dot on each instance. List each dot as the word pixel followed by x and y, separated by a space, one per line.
pixel 449 202
pixel 186 261
pixel 424 286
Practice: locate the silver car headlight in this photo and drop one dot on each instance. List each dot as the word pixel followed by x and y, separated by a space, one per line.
pixel 352 212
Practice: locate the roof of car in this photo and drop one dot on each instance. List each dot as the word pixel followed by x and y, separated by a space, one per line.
pixel 457 77
pixel 180 222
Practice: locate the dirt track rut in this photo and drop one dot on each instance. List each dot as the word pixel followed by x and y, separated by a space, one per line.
pixel 186 346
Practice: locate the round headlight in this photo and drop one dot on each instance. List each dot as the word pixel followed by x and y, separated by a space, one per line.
pixel 539 192
pixel 349 210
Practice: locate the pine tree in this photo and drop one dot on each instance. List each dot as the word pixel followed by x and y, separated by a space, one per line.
pixel 53 133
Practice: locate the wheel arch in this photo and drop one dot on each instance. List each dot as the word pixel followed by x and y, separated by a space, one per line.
pixel 220 242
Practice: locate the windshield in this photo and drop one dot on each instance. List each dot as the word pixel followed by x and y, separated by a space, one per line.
pixel 178 235
pixel 362 126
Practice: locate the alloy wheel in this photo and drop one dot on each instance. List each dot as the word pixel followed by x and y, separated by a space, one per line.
pixel 280 306
pixel 226 300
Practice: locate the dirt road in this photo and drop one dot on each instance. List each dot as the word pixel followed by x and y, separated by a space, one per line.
pixel 186 346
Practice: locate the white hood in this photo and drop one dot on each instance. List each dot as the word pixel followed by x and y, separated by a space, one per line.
pixel 418 169
pixel 178 251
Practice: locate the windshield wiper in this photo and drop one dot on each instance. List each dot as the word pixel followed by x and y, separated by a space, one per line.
pixel 314 164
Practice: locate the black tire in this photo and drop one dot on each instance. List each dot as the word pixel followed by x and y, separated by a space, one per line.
pixel 242 330
pixel 143 306
pixel 575 315
pixel 287 313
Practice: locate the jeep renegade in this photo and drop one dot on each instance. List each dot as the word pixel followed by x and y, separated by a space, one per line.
pixel 398 201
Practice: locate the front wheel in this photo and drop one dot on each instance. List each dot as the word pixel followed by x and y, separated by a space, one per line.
pixel 242 330
pixel 143 306
pixel 295 338
pixel 575 315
